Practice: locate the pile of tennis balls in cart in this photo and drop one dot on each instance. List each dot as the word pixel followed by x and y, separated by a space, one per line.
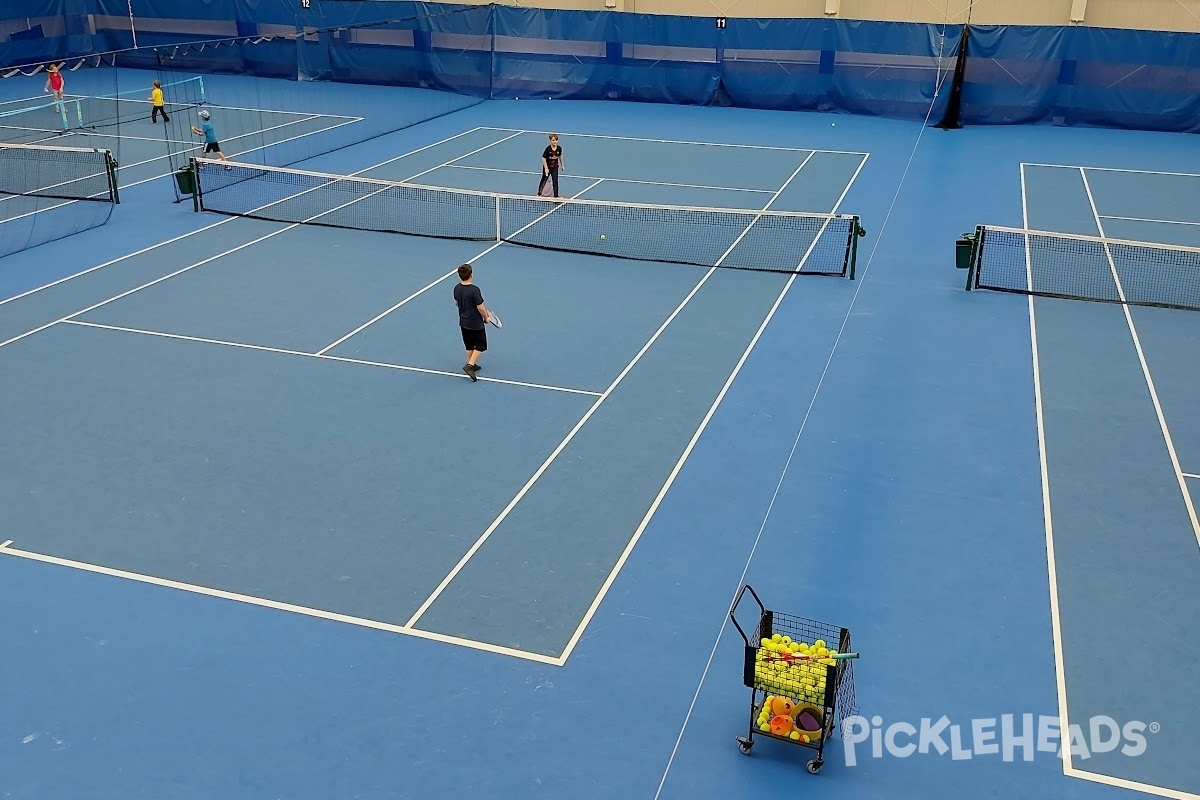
pixel 788 668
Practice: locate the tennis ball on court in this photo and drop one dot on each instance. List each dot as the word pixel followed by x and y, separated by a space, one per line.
pixel 602 236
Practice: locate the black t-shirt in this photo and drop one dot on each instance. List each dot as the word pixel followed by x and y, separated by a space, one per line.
pixel 553 157
pixel 469 298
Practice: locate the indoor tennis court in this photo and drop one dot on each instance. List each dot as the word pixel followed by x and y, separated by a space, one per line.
pixel 262 536
pixel 1121 439
pixel 288 298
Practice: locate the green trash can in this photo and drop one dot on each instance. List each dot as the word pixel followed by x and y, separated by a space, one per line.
pixel 185 180
pixel 964 249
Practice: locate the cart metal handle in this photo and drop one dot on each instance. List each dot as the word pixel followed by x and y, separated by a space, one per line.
pixel 733 610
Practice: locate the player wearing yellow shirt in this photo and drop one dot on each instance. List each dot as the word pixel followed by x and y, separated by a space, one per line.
pixel 156 99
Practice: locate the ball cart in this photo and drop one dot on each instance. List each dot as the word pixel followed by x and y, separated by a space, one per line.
pixel 800 675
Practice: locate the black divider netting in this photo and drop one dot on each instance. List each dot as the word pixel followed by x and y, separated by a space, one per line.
pixel 772 241
pixel 1087 268
pixel 31 113
pixel 48 193
pixel 278 121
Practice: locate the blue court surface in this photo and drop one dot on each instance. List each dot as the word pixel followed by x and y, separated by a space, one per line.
pixel 262 537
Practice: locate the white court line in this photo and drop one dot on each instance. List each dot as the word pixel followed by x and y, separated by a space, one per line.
pixel 1146 219
pixel 687 451
pixel 341 359
pixel 190 144
pixel 1112 169
pixel 23 129
pixel 35 99
pixel 208 260
pixel 1191 475
pixel 5 543
pixel 460 158
pixel 429 286
pixel 98 133
pixel 615 180
pixel 37 211
pixel 680 141
pixel 541 470
pixel 1137 345
pixel 8 550
pixel 197 146
pixel 1068 767
pixel 201 230
pixel 795 445
pixel 1060 675
pixel 1121 783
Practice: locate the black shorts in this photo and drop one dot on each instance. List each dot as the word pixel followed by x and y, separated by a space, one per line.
pixel 212 147
pixel 475 340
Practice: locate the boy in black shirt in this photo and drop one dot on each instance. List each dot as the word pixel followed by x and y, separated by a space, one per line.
pixel 472 319
pixel 552 162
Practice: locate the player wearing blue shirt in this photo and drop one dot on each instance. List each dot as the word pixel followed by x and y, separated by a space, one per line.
pixel 206 129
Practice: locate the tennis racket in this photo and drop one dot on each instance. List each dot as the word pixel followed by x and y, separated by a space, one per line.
pixel 494 320
pixel 545 189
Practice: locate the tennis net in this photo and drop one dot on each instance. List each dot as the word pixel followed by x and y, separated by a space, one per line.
pixel 64 173
pixel 775 241
pixel 48 193
pixel 1085 268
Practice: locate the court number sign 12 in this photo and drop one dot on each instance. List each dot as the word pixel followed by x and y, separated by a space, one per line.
pixel 306 3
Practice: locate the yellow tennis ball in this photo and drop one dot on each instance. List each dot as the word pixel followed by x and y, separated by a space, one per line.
pixel 794 736
pixel 775 637
pixel 602 236
pixel 819 643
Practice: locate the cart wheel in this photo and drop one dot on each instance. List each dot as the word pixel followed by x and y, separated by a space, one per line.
pixel 745 745
pixel 815 765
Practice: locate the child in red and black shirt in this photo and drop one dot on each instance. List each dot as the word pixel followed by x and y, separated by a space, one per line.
pixel 552 162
